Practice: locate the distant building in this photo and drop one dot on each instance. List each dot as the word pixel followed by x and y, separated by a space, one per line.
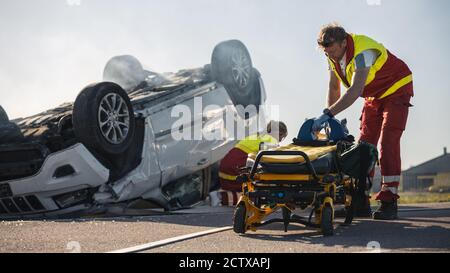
pixel 435 172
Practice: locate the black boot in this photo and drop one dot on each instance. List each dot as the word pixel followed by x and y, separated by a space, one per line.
pixel 387 211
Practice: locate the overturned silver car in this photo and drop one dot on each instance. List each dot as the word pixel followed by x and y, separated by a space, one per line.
pixel 115 143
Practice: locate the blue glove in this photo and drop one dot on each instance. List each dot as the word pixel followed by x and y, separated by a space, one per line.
pixel 320 122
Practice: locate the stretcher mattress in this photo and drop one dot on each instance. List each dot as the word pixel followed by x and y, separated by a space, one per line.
pixel 312 152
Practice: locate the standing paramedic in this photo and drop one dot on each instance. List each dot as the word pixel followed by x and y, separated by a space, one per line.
pixel 367 69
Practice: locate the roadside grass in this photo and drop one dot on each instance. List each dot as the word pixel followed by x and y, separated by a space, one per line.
pixel 423 197
pixel 420 198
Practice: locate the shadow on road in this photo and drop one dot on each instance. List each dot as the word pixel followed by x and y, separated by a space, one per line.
pixel 427 230
pixel 407 233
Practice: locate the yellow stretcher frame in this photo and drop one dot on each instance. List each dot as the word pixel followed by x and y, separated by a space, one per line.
pixel 254 215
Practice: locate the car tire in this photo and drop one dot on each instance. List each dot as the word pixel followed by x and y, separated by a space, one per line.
pixel 231 65
pixel 3 116
pixel 10 133
pixel 239 219
pixel 103 118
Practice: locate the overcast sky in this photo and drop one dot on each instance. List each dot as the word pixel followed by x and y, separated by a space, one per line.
pixel 51 49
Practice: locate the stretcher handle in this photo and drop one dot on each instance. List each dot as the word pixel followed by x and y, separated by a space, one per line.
pixel 283 153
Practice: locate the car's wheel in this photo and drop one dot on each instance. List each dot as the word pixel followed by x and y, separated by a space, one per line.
pixel 232 66
pixel 10 133
pixel 239 219
pixel 103 118
pixel 326 223
pixel 3 116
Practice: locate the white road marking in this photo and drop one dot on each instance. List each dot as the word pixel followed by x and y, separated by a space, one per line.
pixel 171 241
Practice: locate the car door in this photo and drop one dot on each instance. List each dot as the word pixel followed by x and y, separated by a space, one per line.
pixel 180 157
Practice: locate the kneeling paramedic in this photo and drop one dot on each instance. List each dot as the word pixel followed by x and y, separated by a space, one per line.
pixel 367 69
pixel 236 159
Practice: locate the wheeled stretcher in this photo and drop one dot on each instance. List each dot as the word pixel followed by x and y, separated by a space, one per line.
pixel 292 177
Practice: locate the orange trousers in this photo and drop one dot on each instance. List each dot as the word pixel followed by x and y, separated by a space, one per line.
pixel 384 121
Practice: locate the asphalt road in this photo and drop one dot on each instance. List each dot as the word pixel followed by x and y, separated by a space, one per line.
pixel 420 230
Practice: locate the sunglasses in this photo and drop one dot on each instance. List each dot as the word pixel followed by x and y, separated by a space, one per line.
pixel 326 44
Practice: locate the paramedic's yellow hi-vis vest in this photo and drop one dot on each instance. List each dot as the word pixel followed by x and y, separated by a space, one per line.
pixel 251 144
pixel 387 76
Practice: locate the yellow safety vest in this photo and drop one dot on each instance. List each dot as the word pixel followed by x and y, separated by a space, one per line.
pixel 363 43
pixel 251 144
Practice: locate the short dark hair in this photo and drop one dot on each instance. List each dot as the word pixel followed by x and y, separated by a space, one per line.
pixel 331 33
pixel 281 126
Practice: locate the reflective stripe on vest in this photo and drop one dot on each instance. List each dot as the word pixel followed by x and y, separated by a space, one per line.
pixel 363 43
pixel 397 86
pixel 227 176
pixel 250 145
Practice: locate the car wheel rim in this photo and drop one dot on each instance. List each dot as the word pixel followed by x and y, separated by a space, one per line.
pixel 241 68
pixel 114 118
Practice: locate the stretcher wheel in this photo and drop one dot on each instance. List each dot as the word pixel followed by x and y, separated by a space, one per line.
pixel 327 222
pixel 286 218
pixel 349 214
pixel 350 209
pixel 239 219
